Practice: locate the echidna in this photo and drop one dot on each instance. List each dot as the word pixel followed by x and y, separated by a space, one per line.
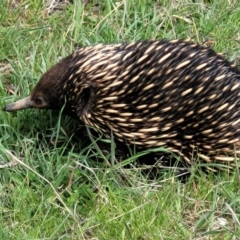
pixel 175 94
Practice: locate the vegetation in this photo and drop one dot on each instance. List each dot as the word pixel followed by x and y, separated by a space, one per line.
pixel 54 183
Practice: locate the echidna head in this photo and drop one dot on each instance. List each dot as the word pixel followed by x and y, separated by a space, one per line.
pixel 46 92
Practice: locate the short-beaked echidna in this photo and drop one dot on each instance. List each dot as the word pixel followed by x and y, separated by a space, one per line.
pixel 175 94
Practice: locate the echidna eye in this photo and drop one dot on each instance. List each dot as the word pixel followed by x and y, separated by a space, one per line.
pixel 38 101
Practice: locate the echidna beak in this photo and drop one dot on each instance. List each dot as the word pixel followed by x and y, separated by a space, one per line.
pixel 18 105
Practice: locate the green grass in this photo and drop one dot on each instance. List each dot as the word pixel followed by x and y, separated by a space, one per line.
pixel 62 188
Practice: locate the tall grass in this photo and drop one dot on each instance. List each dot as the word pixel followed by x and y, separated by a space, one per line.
pixel 61 186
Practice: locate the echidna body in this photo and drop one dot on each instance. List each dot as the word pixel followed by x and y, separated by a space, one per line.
pixel 175 94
